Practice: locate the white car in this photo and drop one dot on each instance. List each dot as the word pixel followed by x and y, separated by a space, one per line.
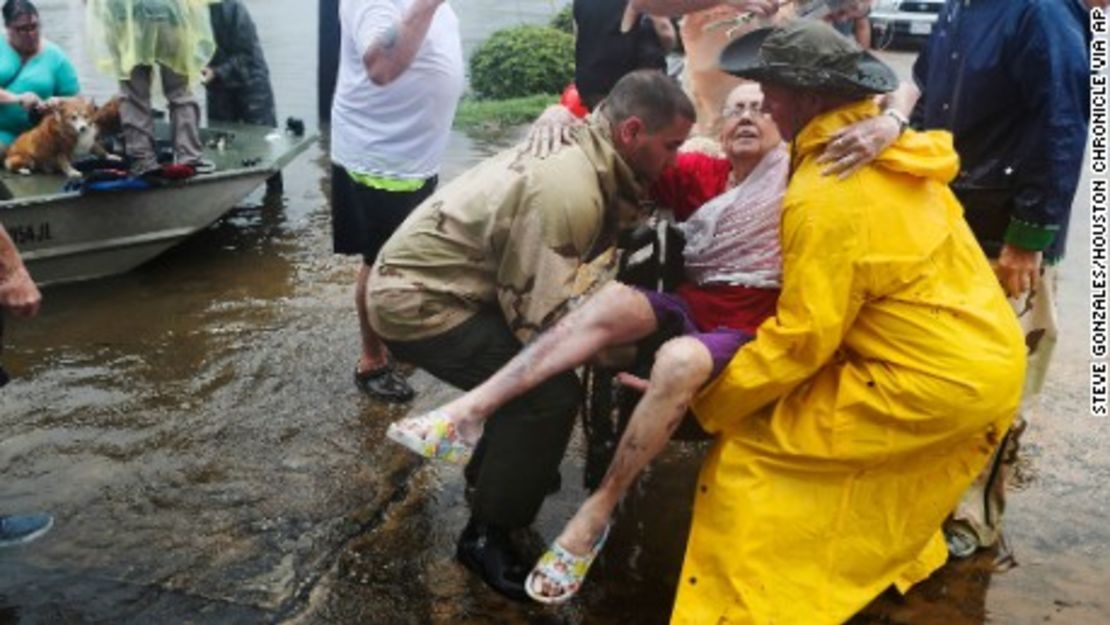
pixel 903 19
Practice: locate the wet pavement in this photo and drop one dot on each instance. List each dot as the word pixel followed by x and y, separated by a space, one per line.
pixel 193 427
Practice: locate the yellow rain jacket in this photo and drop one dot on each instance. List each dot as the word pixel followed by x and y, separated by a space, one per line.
pixel 851 425
pixel 173 33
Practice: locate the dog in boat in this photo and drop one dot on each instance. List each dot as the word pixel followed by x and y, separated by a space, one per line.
pixel 69 126
pixel 107 118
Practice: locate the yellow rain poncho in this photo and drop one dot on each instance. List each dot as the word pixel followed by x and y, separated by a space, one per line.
pixel 173 33
pixel 851 425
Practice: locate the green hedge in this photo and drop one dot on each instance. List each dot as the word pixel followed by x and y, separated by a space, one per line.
pixel 563 20
pixel 522 61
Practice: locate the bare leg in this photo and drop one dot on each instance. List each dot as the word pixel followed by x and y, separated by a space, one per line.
pixel 373 350
pixel 614 315
pixel 682 366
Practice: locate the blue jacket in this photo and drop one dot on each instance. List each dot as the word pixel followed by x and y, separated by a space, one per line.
pixel 1010 80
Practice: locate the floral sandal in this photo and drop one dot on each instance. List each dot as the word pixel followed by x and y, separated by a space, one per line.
pixel 563 569
pixel 432 435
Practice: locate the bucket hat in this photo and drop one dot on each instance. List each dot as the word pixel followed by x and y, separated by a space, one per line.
pixel 809 55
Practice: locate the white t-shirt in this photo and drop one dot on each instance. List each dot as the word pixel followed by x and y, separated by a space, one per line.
pixel 398 130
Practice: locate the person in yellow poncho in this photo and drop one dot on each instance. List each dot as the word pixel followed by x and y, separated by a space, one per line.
pixel 850 426
pixel 130 38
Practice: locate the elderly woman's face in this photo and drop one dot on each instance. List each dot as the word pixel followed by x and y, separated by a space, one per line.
pixel 747 131
pixel 23 33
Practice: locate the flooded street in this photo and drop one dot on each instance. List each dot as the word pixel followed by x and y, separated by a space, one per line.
pixel 194 429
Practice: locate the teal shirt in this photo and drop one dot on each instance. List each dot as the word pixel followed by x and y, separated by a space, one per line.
pixel 47 74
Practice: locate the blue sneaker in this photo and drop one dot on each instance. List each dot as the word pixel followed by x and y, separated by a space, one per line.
pixel 19 529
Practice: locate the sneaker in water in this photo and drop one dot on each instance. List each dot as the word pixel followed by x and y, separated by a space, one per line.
pixel 19 529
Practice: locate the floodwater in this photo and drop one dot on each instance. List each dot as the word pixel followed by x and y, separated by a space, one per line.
pixel 193 427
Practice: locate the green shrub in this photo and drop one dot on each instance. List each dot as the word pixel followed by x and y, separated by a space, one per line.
pixel 521 61
pixel 564 20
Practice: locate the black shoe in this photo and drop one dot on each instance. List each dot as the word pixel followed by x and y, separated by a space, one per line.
pixel 385 383
pixel 489 553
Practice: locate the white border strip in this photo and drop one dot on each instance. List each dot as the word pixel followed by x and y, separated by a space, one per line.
pixel 1100 219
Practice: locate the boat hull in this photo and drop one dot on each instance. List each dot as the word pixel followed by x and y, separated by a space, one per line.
pixel 66 236
pixel 89 236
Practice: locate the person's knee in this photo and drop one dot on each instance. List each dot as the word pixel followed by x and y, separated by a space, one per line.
pixel 682 364
pixel 615 293
pixel 615 304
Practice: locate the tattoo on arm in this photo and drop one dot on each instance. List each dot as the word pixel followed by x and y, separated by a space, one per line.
pixel 389 38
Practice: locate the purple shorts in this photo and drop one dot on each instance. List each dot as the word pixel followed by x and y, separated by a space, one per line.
pixel 722 343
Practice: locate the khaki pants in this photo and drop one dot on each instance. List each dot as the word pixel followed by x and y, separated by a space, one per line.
pixel 138 119
pixel 985 501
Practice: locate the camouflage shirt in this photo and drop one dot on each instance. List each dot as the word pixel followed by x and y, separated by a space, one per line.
pixel 523 234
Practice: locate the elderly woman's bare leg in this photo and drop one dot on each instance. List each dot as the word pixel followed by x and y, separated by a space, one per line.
pixel 682 366
pixel 617 314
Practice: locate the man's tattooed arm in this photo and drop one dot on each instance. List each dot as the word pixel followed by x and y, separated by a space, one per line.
pixel 389 38
pixel 392 53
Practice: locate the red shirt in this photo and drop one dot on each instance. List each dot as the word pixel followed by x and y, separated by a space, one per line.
pixel 694 180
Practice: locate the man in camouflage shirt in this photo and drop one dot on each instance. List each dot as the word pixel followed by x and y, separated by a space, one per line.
pixel 493 258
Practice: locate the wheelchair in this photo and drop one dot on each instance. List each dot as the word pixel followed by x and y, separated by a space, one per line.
pixel 651 258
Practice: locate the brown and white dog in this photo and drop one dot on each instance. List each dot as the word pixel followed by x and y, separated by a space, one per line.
pixel 67 128
pixel 107 118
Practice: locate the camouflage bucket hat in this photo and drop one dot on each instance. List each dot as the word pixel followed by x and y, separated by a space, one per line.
pixel 808 55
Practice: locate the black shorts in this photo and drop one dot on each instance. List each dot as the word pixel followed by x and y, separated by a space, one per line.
pixel 363 218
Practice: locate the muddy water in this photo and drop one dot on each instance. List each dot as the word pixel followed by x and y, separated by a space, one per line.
pixel 193 427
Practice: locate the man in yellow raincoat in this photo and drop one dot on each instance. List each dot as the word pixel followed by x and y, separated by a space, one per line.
pixel 130 38
pixel 850 426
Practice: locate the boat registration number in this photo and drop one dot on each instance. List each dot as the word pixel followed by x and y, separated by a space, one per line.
pixel 24 235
